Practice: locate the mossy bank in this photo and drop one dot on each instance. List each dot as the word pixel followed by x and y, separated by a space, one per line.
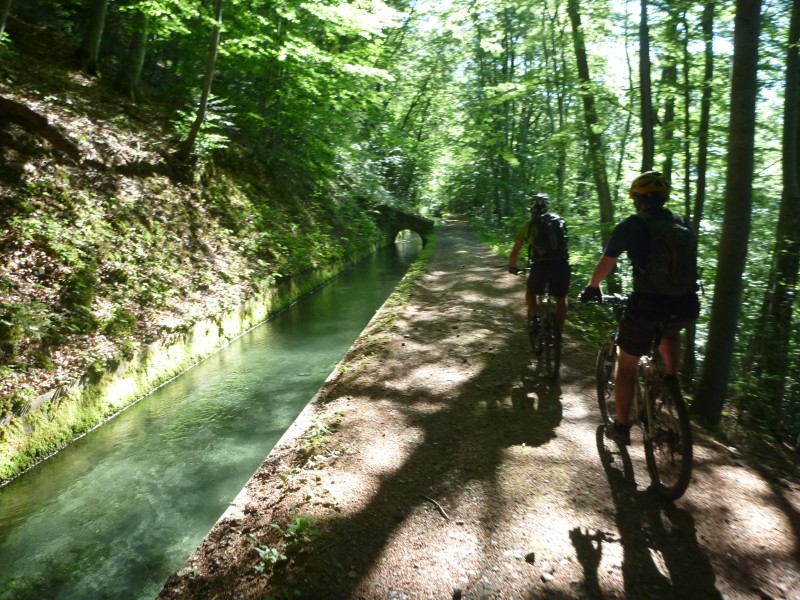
pixel 121 269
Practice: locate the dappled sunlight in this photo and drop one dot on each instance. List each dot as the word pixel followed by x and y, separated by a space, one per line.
pixel 341 489
pixel 438 373
pixel 743 478
pixel 761 518
pixel 388 456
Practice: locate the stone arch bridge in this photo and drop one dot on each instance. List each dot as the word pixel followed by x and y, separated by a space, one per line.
pixel 393 221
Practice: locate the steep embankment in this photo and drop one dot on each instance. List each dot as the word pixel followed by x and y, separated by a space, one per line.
pixel 120 266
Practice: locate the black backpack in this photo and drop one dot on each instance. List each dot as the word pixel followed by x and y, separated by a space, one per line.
pixel 551 238
pixel 671 267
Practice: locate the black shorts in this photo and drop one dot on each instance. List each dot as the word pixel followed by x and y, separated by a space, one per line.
pixel 647 316
pixel 553 273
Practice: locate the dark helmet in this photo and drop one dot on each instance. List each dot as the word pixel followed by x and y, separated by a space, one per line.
pixel 539 203
pixel 652 184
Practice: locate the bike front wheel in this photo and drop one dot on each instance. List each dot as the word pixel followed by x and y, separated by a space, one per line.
pixel 668 442
pixel 552 346
pixel 606 367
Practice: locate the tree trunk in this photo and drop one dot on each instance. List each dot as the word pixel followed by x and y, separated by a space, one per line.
pixel 646 91
pixel 90 47
pixel 669 91
pixel 707 25
pixel 689 358
pixel 713 385
pixel 626 130
pixel 14 112
pixel 131 72
pixel 187 146
pixel 592 126
pixel 774 337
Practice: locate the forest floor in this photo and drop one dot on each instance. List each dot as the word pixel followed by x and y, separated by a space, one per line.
pixel 438 462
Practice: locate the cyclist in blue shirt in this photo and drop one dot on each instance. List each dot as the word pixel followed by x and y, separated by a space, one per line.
pixel 648 312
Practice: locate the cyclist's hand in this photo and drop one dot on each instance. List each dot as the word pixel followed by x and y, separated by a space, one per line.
pixel 591 294
pixel 514 270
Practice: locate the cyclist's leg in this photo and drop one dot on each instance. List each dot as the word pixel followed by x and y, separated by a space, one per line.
pixel 624 385
pixel 536 285
pixel 670 350
pixel 635 339
pixel 530 300
pixel 560 274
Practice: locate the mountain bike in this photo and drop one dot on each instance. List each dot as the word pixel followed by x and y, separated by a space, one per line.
pixel 546 341
pixel 658 410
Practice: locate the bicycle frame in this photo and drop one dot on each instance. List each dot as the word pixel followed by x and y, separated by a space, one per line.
pixel 548 340
pixel 657 408
pixel 647 374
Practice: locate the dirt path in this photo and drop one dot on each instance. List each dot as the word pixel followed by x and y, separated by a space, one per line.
pixel 451 469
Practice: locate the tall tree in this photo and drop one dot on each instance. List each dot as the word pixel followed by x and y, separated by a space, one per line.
pixel 89 50
pixel 646 92
pixel 707 26
pixel 772 339
pixel 596 149
pixel 130 73
pixel 713 385
pixel 187 146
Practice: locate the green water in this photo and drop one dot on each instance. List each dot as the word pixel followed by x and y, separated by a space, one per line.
pixel 114 514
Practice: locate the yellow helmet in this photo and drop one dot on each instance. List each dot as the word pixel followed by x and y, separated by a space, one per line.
pixel 651 182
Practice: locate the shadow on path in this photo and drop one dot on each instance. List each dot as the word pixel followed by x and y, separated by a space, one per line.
pixel 661 555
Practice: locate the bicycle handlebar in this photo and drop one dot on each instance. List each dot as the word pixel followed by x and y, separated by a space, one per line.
pixel 614 299
pixel 609 299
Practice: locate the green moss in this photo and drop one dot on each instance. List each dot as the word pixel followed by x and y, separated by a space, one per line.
pixel 107 388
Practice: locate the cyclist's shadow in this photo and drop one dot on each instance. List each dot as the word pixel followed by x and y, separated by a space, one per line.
pixel 649 527
pixel 536 406
pixel 539 362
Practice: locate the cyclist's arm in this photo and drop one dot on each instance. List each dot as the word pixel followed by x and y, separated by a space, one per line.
pixel 601 271
pixel 522 237
pixel 512 258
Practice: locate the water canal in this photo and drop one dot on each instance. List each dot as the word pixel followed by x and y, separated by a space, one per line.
pixel 115 513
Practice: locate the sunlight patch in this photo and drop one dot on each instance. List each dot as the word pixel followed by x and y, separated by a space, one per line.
pixel 744 479
pixel 433 372
pixel 343 488
pixel 387 457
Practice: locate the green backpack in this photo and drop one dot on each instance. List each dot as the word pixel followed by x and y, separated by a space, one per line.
pixel 671 266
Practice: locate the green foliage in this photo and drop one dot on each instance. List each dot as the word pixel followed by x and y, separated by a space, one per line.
pixel 298 533
pixel 13 403
pixel 122 322
pixel 269 556
pixel 22 324
pixel 212 135
pixel 460 107
pixel 77 297
pixel 315 443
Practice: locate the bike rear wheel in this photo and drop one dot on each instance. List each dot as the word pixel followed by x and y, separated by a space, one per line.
pixel 552 346
pixel 606 363
pixel 668 442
